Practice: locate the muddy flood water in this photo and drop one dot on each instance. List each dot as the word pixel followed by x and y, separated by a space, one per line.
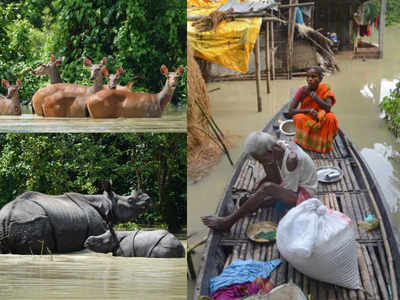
pixel 359 87
pixel 173 120
pixel 84 275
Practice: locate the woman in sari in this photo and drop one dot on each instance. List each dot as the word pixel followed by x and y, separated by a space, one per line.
pixel 316 126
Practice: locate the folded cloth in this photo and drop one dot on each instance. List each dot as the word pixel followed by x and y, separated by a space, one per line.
pixel 299 16
pixel 241 271
pixel 236 291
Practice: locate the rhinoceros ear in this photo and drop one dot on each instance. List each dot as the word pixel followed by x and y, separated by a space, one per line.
pixel 107 186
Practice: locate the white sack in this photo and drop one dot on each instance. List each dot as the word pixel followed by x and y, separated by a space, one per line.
pixel 320 243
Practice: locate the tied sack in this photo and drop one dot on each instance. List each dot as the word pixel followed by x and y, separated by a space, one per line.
pixel 320 243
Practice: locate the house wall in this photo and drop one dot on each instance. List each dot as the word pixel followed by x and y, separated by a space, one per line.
pixel 305 56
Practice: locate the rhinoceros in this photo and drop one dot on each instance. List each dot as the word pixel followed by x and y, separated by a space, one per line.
pixel 36 223
pixel 156 244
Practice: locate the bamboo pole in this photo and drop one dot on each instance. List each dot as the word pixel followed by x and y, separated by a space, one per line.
pixel 382 27
pixel 258 73
pixel 267 57
pixel 378 273
pixel 358 28
pixel 291 26
pixel 243 77
pixel 232 16
pixel 297 4
pixel 274 19
pixel 273 51
pixel 288 42
pixel 215 132
pixel 366 281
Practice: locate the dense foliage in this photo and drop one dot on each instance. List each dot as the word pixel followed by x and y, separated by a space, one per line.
pixel 59 163
pixel 139 35
pixel 391 106
pixel 372 10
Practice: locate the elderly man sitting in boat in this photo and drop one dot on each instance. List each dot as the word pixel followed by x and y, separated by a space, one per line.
pixel 290 178
pixel 316 126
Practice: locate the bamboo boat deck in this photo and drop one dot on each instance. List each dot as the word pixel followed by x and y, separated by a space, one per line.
pixel 354 195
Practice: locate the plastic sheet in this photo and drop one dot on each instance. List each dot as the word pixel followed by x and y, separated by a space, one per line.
pixel 230 45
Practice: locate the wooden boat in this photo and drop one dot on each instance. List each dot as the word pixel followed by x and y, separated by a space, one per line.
pixel 357 195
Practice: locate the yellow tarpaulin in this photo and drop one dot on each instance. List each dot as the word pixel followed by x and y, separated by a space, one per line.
pixel 232 42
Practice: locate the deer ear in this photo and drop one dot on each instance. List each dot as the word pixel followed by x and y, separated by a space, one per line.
pixel 120 71
pixel 180 70
pixel 104 71
pixel 104 61
pixel 87 62
pixel 164 70
pixel 5 83
pixel 18 83
pixel 52 58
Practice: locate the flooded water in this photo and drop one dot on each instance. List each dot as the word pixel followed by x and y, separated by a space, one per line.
pixel 173 120
pixel 86 275
pixel 359 87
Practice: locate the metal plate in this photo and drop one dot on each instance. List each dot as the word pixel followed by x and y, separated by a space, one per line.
pixel 329 174
pixel 287 127
pixel 263 232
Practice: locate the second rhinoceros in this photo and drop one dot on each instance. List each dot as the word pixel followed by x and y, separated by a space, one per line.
pixel 138 243
pixel 38 223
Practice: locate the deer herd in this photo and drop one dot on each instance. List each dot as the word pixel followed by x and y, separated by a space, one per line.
pixel 60 99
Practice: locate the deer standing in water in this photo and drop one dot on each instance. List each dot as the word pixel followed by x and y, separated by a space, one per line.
pixel 50 69
pixel 10 105
pixel 120 103
pixel 71 100
pixel 113 78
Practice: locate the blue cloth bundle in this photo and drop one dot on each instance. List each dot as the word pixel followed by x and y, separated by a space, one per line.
pixel 241 271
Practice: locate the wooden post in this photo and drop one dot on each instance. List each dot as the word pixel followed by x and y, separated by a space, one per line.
pixel 267 56
pixel 358 27
pixel 312 16
pixel 273 51
pixel 291 26
pixel 350 30
pixel 258 73
pixel 382 27
pixel 288 48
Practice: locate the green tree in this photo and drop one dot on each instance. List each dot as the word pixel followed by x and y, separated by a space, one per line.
pixel 391 106
pixel 373 8
pixel 139 35
pixel 58 163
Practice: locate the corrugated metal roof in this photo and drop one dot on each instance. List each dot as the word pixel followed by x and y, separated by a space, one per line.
pixel 254 6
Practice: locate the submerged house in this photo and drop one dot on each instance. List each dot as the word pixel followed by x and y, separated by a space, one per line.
pixel 295 35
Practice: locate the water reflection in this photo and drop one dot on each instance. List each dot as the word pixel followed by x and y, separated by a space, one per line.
pixel 366 91
pixel 380 159
pixel 386 87
pixel 91 276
